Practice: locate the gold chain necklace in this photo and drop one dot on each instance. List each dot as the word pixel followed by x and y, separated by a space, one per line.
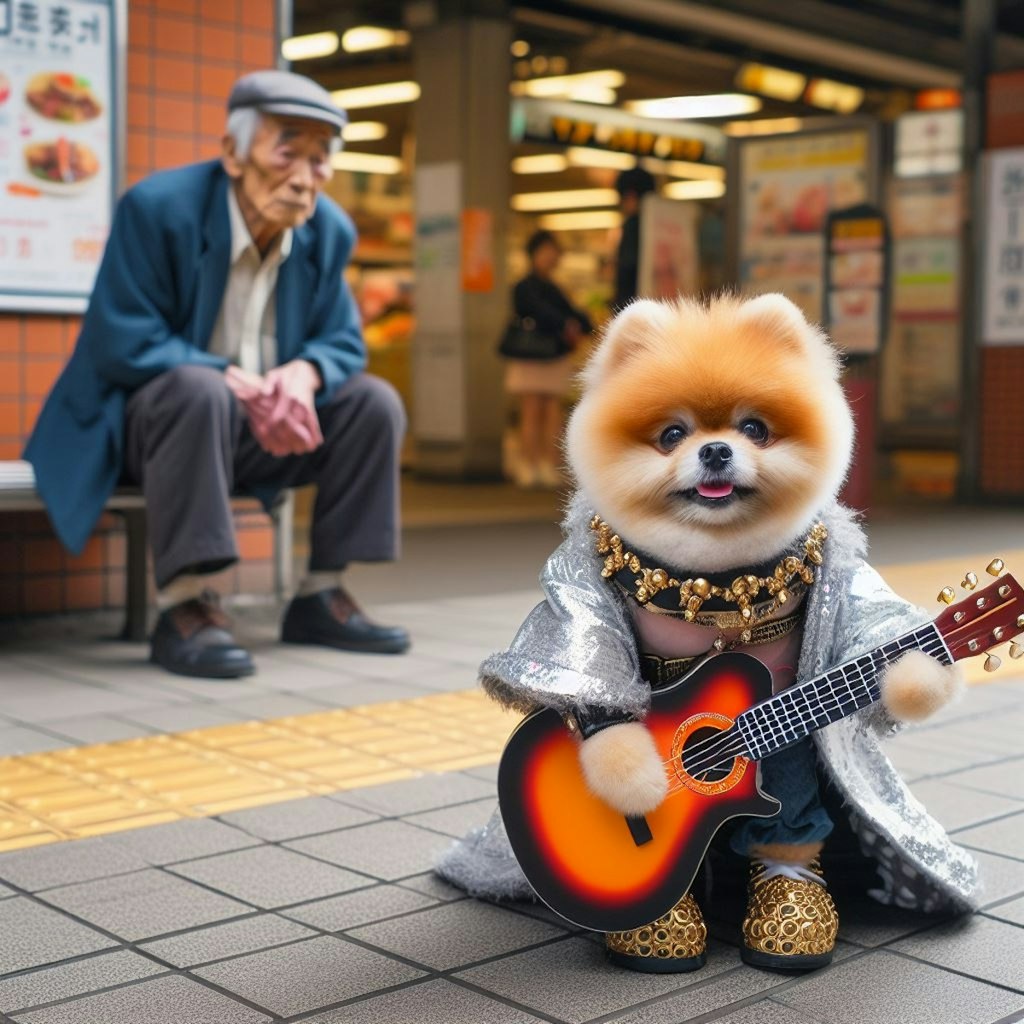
pixel 693 592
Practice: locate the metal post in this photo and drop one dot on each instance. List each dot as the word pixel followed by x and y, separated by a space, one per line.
pixel 977 33
pixel 135 597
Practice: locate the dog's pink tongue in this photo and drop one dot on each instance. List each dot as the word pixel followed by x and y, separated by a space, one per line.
pixel 714 490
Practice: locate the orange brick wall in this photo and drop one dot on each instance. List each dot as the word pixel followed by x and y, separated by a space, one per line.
pixel 183 56
pixel 1001 430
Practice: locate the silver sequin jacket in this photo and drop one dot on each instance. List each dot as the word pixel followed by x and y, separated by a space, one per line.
pixel 577 647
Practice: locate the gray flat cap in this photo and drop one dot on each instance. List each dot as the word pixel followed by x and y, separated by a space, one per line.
pixel 287 94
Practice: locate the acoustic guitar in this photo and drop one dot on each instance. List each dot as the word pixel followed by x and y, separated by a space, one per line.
pixel 609 873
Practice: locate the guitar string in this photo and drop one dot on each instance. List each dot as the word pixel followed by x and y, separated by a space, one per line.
pixel 723 745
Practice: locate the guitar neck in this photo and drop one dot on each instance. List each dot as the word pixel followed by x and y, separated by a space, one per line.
pixel 789 716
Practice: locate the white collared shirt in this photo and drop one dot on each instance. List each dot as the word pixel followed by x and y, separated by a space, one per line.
pixel 246 327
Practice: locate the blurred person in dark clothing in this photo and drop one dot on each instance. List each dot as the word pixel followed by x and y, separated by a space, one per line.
pixel 541 386
pixel 632 186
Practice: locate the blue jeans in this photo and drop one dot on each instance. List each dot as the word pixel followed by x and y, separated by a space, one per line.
pixel 791 777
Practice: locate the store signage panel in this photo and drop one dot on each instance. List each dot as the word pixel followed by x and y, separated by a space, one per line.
pixel 1004 265
pixel 584 124
pixel 58 148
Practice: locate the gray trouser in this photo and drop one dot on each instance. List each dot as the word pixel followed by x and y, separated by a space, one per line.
pixel 188 445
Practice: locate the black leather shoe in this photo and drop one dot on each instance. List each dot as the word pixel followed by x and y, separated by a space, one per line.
pixel 194 639
pixel 332 619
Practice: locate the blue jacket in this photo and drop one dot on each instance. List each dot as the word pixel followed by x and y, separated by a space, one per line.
pixel 154 306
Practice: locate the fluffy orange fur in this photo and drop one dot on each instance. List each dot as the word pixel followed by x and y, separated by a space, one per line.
pixel 709 365
pixel 917 686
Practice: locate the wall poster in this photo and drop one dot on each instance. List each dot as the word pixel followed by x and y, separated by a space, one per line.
pixel 668 248
pixel 60 76
pixel 1004 264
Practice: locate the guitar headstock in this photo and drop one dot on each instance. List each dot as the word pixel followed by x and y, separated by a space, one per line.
pixel 985 618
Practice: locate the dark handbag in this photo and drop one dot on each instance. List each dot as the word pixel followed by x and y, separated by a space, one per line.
pixel 522 340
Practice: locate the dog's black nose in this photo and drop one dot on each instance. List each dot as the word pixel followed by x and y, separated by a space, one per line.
pixel 715 455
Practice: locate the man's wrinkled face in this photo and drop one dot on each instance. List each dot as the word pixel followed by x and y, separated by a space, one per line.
pixel 288 165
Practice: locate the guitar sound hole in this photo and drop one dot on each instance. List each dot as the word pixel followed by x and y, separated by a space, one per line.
pixel 698 760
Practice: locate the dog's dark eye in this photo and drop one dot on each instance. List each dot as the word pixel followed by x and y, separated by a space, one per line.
pixel 672 436
pixel 755 430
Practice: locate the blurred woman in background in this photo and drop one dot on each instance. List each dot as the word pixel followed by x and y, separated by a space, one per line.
pixel 541 385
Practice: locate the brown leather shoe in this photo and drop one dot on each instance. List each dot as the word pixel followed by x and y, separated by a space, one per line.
pixel 331 618
pixel 194 639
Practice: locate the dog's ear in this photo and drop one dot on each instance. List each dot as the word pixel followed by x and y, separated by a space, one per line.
pixel 639 326
pixel 780 321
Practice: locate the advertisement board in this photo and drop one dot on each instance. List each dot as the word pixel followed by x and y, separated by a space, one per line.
pixel 1003 322
pixel 59 151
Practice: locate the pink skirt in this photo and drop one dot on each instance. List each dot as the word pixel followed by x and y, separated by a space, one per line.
pixel 539 377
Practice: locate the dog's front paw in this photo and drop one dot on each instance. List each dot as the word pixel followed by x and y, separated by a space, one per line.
pixel 917 686
pixel 622 766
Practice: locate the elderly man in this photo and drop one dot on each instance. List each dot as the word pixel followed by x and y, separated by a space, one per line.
pixel 222 351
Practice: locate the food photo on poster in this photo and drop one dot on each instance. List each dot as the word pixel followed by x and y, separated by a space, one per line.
pixel 57 150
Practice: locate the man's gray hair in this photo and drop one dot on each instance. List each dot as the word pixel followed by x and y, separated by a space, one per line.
pixel 242 125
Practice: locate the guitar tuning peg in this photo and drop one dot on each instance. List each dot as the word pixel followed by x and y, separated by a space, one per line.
pixel 992 662
pixel 970 581
pixel 947 595
pixel 1016 651
pixel 995 567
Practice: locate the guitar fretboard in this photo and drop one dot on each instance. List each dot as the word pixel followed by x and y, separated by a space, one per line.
pixel 789 716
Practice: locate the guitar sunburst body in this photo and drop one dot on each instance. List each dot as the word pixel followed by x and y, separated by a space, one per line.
pixel 600 870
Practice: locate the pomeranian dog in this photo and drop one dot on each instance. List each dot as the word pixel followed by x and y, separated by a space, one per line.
pixel 710 435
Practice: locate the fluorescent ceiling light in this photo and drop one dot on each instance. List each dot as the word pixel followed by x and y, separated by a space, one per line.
pixel 583 220
pixel 763 126
pixel 694 189
pixel 685 169
pixel 376 95
pixel 319 44
pixel 768 81
pixel 541 163
pixel 370 163
pixel 520 48
pixel 566 200
pixel 838 96
pixel 581 156
pixel 364 131
pixel 682 108
pixel 372 37
pixel 570 86
pixel 593 94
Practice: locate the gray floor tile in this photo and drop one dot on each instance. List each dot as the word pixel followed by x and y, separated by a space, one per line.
pixel 171 1000
pixel 23 740
pixel 767 1011
pixel 431 1002
pixel 5 892
pixel 884 987
pixel 410 796
pixel 77 978
pixel 385 850
pixel 182 717
pixel 1013 911
pixel 485 772
pixel 144 904
pixel 223 940
pixel 307 975
pixel 867 923
pixel 97 729
pixel 454 934
pixel 1005 836
pixel 294 818
pixel 430 885
pixel 957 806
pixel 358 692
pixel 273 705
pixel 66 863
pixel 182 840
pixel 361 907
pixel 458 820
pixel 1004 779
pixel 733 985
pixel 986 949
pixel 1000 877
pixel 31 935
pixel 271 877
pixel 572 980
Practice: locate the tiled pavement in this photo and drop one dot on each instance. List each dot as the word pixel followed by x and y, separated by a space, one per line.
pixel 324 909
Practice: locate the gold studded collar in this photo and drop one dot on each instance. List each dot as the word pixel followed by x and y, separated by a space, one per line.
pixel 662 590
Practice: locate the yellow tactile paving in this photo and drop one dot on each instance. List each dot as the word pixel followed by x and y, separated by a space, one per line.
pixel 89 791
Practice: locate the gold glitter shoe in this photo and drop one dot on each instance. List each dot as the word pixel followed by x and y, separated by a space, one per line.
pixel 674 944
pixel 791 922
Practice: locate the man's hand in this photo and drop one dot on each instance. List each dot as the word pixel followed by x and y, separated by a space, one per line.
pixel 289 426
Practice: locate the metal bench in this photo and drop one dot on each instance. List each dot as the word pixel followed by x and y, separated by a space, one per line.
pixel 18 494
